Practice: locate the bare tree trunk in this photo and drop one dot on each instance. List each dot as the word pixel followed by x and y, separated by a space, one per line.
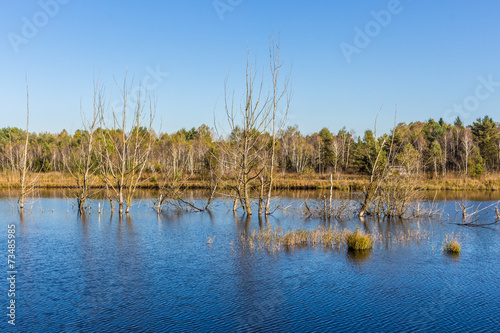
pixel 79 163
pixel 120 200
pixel 130 150
pixel 369 193
pixel 141 150
pixel 24 169
pixel 246 195
pixel 246 145
pixel 124 152
pixel 211 197
pixel 261 196
pixel 274 50
pixel 331 196
pixel 373 186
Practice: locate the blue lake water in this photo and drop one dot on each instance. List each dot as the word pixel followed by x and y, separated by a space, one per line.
pixel 151 273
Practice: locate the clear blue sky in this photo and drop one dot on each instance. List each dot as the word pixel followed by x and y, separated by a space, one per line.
pixel 429 57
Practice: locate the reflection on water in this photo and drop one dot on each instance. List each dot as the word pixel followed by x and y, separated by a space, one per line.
pixel 452 255
pixel 358 257
pixel 150 272
pixel 284 194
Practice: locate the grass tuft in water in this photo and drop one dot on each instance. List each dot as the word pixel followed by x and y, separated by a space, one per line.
pixel 451 245
pixel 274 239
pixel 359 241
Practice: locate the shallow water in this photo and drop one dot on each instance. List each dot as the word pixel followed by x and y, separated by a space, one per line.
pixel 152 273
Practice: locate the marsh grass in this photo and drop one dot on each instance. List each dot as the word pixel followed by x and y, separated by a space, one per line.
pixel 359 241
pixel 451 245
pixel 358 257
pixel 275 239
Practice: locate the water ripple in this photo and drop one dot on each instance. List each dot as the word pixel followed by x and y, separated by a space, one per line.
pixel 158 275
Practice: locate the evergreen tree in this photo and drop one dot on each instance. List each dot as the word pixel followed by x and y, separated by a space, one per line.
pixel 487 136
pixel 326 145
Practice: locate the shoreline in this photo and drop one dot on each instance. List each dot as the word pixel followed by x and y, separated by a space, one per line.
pixel 341 182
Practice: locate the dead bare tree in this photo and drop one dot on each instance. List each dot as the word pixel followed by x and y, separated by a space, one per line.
pixel 376 173
pixel 391 193
pixel 173 184
pixel 244 147
pixel 82 163
pixel 277 95
pixel 126 151
pixel 327 208
pixel 26 180
pixel 172 194
pixel 474 216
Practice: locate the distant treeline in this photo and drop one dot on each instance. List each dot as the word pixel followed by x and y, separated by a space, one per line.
pixel 431 147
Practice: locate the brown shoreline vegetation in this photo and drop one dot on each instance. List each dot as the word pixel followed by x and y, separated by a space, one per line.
pixel 348 183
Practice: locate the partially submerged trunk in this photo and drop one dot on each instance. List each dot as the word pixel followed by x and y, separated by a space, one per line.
pixel 24 169
pixel 120 200
pixel 369 194
pixel 81 205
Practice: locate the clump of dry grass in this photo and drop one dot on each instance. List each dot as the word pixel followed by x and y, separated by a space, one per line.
pixel 277 239
pixel 451 245
pixel 359 241
pixel 274 239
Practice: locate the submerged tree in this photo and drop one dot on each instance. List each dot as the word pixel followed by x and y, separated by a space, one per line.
pixel 277 94
pixel 198 146
pixel 82 160
pixel 26 181
pixel 127 148
pixel 375 159
pixel 244 148
pixel 250 152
